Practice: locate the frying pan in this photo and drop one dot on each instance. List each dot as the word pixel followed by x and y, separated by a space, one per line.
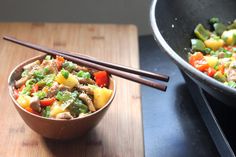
pixel 173 22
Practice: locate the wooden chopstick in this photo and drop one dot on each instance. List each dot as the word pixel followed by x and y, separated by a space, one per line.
pixel 119 67
pixel 118 73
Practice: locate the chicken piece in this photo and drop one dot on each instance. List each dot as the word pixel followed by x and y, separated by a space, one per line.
pixel 64 88
pixel 31 65
pixel 82 115
pixel 85 89
pixel 221 55
pixel 53 90
pixel 51 65
pixel 231 72
pixel 78 68
pixel 84 97
pixel 21 81
pixel 35 104
pixel 64 115
pixel 225 61
pixel 85 80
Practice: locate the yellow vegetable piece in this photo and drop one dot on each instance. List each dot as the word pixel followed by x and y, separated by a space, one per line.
pixel 45 89
pixel 232 58
pixel 214 44
pixel 101 97
pixel 71 81
pixel 227 36
pixel 24 101
pixel 211 60
pixel 55 110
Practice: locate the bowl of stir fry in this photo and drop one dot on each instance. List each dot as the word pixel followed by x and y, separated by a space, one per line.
pixel 60 99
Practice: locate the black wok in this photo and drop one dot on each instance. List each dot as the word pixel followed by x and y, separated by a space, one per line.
pixel 173 22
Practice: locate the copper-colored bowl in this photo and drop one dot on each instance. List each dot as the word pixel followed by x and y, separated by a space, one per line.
pixel 53 128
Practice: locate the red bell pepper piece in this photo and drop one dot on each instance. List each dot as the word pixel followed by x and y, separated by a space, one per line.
pixel 16 93
pixel 21 88
pixel 59 61
pixel 101 78
pixel 194 57
pixel 211 71
pixel 221 68
pixel 35 88
pixel 47 102
pixel 228 48
pixel 201 65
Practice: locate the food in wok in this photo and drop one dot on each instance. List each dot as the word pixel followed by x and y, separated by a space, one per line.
pixel 214 52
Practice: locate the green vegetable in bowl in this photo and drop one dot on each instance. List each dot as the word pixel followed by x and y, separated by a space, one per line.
pixel 53 88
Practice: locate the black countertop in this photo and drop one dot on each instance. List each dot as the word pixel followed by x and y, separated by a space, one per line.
pixel 172 124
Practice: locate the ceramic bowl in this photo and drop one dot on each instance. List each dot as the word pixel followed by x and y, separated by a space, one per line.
pixel 54 128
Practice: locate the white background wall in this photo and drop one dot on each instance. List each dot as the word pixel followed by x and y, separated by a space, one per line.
pixel 92 11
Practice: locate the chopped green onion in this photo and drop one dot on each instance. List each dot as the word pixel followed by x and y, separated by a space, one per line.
pixel 26 90
pixel 78 107
pixel 38 75
pixel 83 109
pixel 40 94
pixel 25 73
pixel 59 96
pixel 46 70
pixel 214 20
pixel 228 54
pixel 69 66
pixel 48 80
pixel 64 96
pixel 83 74
pixel 48 57
pixel 46 111
pixel 207 50
pixel 74 94
pixel 30 82
pixel 231 84
pixel 65 73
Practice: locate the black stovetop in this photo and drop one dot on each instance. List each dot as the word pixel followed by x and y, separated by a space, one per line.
pixel 226 117
pixel 178 122
pixel 218 118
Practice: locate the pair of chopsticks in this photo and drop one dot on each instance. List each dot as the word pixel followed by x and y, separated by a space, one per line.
pixel 114 69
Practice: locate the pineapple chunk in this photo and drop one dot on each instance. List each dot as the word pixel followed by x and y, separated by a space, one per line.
pixel 24 101
pixel 70 82
pixel 229 36
pixel 55 110
pixel 211 60
pixel 214 44
pixel 101 97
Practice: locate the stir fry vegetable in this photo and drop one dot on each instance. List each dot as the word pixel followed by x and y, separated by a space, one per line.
pixel 214 53
pixel 57 88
